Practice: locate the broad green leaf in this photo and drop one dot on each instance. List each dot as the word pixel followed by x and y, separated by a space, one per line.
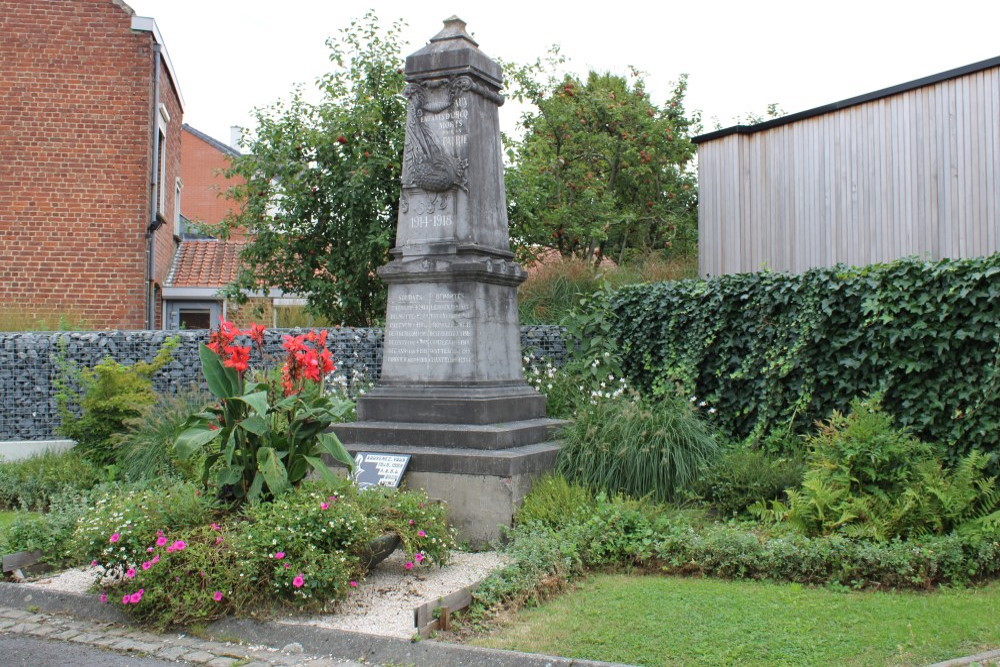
pixel 274 473
pixel 255 487
pixel 323 470
pixel 193 440
pixel 329 443
pixel 222 381
pixel 230 475
pixel 256 400
pixel 254 424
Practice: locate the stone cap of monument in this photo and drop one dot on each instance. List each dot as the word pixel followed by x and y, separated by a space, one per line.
pixel 452 52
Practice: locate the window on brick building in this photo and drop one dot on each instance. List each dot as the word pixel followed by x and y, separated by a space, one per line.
pixel 159 186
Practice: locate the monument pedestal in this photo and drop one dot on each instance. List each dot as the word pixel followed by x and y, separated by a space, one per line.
pixel 451 392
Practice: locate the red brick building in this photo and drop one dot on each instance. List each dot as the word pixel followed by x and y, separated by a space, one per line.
pixel 90 154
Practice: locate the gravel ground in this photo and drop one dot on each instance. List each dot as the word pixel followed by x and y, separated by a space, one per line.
pixel 382 604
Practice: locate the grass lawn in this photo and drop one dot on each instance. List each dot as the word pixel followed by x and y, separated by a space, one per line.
pixel 649 620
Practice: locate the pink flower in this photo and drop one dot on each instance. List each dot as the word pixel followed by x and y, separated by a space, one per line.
pixel 147 565
pixel 126 599
pixel 114 538
pixel 324 506
pixel 419 557
pixel 180 545
pixel 103 597
pixel 333 498
pixel 218 540
pixel 135 597
pixel 216 526
pixel 217 596
pixel 159 533
pixel 171 549
pixel 161 540
pixel 408 565
pixel 288 566
pixel 149 550
pixel 156 559
pixel 279 555
pixel 412 522
pixel 130 572
pixel 421 533
pixel 93 563
pixel 298 581
pixel 353 584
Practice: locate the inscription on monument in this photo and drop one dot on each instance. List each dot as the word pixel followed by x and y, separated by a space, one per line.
pixel 429 327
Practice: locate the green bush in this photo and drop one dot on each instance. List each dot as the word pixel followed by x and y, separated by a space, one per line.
pixel 743 476
pixel 146 449
pixel 123 520
pixel 617 532
pixel 867 478
pixel 302 551
pixel 31 483
pixel 111 394
pixel 49 532
pixel 553 501
pixel 763 348
pixel 636 446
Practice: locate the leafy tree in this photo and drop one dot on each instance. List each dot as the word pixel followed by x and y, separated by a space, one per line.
pixel 602 169
pixel 319 204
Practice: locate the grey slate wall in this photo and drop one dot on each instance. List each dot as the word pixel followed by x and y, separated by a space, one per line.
pixel 29 364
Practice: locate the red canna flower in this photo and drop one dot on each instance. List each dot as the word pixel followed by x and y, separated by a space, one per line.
pixel 239 357
pixel 256 333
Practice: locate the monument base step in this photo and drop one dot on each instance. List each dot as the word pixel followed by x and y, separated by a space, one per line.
pixel 463 436
pixel 482 488
pixel 451 405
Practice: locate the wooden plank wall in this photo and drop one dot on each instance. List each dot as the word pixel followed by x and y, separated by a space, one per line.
pixel 916 173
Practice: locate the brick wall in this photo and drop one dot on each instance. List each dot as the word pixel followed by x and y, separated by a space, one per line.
pixel 75 114
pixel 202 167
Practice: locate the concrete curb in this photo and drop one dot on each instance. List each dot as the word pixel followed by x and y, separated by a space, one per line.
pixel 322 641
pixel 987 658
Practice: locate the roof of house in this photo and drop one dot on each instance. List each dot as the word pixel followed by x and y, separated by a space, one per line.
pixel 204 263
pixel 215 143
pixel 850 102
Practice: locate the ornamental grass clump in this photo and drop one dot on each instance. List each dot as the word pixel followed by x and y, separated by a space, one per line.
pixel 637 446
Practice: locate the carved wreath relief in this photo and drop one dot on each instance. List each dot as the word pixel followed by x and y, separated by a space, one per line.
pixel 434 158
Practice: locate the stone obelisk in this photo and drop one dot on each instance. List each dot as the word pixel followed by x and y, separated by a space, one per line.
pixel 451 393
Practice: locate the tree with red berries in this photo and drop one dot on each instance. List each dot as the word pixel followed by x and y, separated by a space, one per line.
pixel 319 205
pixel 602 170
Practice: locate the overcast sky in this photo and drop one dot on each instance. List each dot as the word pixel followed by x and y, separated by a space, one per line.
pixel 233 55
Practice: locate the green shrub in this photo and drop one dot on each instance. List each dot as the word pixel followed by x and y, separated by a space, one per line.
pixel 553 501
pixel 743 476
pixel 146 449
pixel 617 532
pixel 761 348
pixel 636 446
pixel 554 288
pixel 867 478
pixel 31 483
pixel 111 394
pixel 124 519
pixel 49 532
pixel 302 551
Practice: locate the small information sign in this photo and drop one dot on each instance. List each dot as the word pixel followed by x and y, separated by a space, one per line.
pixel 375 469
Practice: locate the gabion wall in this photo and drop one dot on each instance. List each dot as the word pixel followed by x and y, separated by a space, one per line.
pixel 30 363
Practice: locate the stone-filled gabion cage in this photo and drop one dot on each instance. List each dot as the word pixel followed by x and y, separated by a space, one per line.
pixel 31 364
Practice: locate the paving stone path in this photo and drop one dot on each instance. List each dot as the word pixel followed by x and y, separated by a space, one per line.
pixel 172 647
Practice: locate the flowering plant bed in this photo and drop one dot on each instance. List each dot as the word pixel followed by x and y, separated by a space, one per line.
pixel 305 550
pixel 265 434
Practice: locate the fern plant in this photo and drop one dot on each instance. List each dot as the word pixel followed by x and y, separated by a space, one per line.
pixel 868 479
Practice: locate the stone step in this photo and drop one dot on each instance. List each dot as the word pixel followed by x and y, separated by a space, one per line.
pixel 378 434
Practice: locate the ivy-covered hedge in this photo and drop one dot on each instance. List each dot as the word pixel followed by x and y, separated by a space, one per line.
pixel 763 348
